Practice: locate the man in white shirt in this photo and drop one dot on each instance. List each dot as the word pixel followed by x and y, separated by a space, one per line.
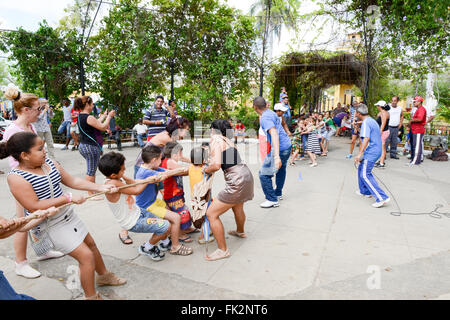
pixel 141 131
pixel 65 125
pixel 43 129
pixel 395 123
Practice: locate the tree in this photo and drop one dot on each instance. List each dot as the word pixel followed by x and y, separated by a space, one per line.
pixel 125 61
pixel 44 61
pixel 5 77
pixel 272 15
pixel 221 41
pixel 418 38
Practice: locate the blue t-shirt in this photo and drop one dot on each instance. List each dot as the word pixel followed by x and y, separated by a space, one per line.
pixel 269 120
pixel 370 129
pixel 147 197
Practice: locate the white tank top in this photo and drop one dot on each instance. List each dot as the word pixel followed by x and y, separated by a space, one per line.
pixel 125 211
pixel 394 116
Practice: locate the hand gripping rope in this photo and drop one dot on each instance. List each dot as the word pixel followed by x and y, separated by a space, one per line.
pixel 153 179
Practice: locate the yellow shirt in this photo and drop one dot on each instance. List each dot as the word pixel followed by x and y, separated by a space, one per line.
pixel 195 176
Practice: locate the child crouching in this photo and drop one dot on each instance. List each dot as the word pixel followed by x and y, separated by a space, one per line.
pixel 173 193
pixel 156 208
pixel 127 214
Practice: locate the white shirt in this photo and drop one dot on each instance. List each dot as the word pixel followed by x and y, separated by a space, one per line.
pixel 66 112
pixel 430 112
pixel 125 211
pixel 140 128
pixel 394 116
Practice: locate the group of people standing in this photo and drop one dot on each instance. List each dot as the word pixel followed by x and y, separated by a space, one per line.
pixel 36 180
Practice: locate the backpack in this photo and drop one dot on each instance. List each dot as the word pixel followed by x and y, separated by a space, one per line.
pixel 438 154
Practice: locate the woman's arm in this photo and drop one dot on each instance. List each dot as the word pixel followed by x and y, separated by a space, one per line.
pixel 285 127
pixel 384 118
pixel 97 124
pixel 215 157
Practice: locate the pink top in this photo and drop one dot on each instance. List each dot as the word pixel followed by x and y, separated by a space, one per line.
pixel 9 132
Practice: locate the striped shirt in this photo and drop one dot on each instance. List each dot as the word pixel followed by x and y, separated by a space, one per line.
pixel 40 183
pixel 153 114
pixel 352 114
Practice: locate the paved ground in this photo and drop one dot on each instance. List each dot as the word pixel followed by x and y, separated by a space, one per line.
pixel 323 242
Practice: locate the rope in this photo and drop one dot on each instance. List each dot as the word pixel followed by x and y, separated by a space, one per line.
pixel 149 180
pixel 434 213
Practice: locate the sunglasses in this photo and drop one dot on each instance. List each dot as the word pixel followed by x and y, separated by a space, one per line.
pixel 41 108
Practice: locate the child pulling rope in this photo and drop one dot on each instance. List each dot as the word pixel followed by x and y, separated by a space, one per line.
pixel 153 179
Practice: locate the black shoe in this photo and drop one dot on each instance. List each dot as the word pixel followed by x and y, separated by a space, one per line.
pixel 395 157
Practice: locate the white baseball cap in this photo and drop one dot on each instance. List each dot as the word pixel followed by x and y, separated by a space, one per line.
pixel 280 107
pixel 381 103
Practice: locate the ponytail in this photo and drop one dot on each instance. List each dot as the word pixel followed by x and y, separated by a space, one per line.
pixel 16 144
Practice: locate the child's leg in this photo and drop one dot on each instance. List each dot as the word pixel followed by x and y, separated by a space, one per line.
pixel 20 238
pixel 158 237
pixel 174 220
pixel 86 260
pixel 100 267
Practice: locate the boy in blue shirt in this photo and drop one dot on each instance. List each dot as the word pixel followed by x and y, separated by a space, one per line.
pixel 156 208
pixel 370 151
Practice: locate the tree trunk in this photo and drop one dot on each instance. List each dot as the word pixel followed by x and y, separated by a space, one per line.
pixel 430 98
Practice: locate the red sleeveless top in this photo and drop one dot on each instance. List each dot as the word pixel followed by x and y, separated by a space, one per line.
pixel 173 186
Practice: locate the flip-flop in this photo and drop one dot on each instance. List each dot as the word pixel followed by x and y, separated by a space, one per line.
pixel 125 239
pixel 237 234
pixel 193 231
pixel 188 239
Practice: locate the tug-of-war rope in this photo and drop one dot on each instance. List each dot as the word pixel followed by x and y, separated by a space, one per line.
pixel 153 179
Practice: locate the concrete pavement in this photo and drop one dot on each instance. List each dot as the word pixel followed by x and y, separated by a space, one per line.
pixel 323 242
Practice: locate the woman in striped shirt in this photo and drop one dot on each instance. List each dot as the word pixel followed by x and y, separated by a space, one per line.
pixel 36 185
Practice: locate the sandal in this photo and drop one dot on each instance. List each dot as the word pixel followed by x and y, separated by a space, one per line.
pixel 237 234
pixel 187 239
pixel 127 238
pixel 195 230
pixel 218 254
pixel 292 163
pixel 182 250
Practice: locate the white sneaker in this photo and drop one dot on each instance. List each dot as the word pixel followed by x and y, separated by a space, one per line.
pixel 363 195
pixel 50 255
pixel 25 270
pixel 269 204
pixel 381 203
pixel 313 165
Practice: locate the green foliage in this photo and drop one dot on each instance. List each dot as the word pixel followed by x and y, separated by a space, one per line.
pixel 248 116
pixel 5 78
pixel 45 61
pixel 443 113
pixel 417 34
pixel 124 64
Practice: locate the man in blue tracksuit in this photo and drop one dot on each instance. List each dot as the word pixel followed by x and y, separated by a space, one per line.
pixel 369 153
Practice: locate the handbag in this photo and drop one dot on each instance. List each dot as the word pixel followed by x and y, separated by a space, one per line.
pixel 98 137
pixel 39 237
